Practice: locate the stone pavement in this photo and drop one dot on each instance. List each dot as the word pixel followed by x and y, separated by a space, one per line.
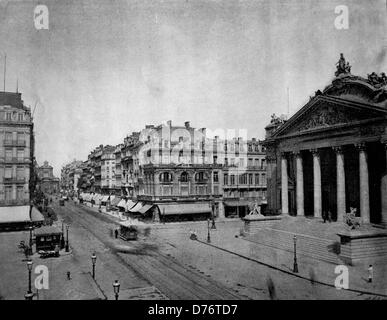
pixel 227 237
pixel 14 274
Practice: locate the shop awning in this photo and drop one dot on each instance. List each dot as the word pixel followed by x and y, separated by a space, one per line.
pixel 239 203
pixel 36 216
pixel 122 203
pixel 137 207
pixel 130 204
pixel 184 208
pixel 145 208
pixel 115 201
pixel 104 198
pixel 15 214
pixel 96 196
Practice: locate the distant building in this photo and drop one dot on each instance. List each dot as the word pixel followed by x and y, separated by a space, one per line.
pixel 244 176
pixel 108 168
pixel 70 176
pixel 177 172
pixel 47 182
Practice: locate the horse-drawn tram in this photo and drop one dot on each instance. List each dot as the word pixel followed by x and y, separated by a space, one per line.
pixel 128 231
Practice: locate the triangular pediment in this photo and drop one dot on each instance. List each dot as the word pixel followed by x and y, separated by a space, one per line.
pixel 325 112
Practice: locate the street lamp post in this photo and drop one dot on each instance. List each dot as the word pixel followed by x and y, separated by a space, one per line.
pixel 62 240
pixel 208 231
pixel 30 249
pixel 67 238
pixel 295 265
pixel 93 261
pixel 213 226
pixel 116 287
pixel 29 295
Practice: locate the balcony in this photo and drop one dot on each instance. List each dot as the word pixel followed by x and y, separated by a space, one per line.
pixel 15 160
pixel 15 202
pixel 15 180
pixel 14 143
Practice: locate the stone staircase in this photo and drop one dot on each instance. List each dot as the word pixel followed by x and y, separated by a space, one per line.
pixel 316 247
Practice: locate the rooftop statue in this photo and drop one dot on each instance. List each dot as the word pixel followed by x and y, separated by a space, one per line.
pixel 276 120
pixel 377 80
pixel 342 66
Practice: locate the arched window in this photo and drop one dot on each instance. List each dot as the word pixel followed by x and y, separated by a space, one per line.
pixel 184 177
pixel 165 177
pixel 200 177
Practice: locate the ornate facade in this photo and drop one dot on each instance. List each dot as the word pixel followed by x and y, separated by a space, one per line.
pixel 330 156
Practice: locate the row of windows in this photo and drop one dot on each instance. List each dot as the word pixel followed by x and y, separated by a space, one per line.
pixel 257 179
pixel 12 116
pixel 9 154
pixel 9 195
pixel 246 178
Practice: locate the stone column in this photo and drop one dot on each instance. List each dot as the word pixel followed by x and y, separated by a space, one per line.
pixel 300 184
pixel 364 186
pixel 384 189
pixel 340 184
pixel 284 185
pixel 316 183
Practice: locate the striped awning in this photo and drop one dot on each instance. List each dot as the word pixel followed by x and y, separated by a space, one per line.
pixel 115 201
pixel 137 207
pixel 145 208
pixel 122 203
pixel 184 208
pixel 130 204
pixel 104 198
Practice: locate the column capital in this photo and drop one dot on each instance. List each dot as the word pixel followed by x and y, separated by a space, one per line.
pixel 314 151
pixel 297 153
pixel 338 149
pixel 361 146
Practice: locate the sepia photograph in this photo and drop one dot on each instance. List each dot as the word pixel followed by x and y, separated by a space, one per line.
pixel 193 150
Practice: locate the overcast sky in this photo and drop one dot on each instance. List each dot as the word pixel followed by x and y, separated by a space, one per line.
pixel 103 71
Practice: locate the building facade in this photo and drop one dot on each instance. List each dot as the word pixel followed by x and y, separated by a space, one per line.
pixel 330 156
pixel 47 182
pixel 16 150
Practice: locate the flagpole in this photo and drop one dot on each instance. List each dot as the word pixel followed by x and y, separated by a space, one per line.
pixel 5 68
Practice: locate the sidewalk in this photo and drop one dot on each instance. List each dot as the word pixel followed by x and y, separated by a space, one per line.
pixel 308 268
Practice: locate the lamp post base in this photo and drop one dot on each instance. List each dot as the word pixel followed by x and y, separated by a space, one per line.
pixel 29 296
pixel 295 267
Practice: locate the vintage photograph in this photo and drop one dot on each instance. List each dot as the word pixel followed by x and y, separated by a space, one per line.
pixel 193 150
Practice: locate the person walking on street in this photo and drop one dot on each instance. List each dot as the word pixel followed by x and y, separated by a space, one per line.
pixel 116 233
pixel 370 273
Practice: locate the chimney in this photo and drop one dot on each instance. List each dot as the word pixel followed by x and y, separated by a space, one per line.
pixel 186 124
pixel 169 123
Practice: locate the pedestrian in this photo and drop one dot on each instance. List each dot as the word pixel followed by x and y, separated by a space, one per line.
pixel 68 275
pixel 116 233
pixel 324 216
pixel 370 273
pixel 329 216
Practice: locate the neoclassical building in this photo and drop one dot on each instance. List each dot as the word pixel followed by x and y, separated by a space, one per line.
pixel 331 154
